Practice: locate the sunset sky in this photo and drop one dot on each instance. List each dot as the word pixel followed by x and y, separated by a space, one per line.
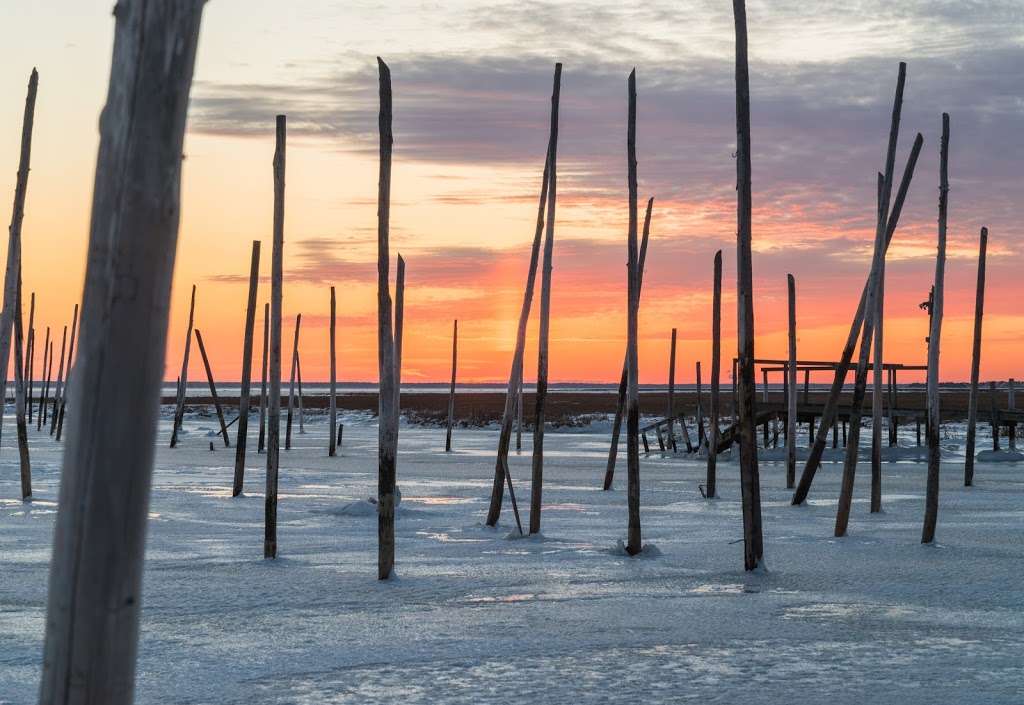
pixel 472 83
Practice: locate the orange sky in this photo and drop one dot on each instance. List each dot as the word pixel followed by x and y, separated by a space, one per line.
pixel 464 193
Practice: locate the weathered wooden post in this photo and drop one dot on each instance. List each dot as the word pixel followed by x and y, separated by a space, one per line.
pixel 1011 427
pixel 451 391
pixel 43 382
pixel 58 389
pixel 387 419
pixel 716 366
pixel 876 386
pixel 749 480
pixel 501 474
pixel 19 397
pixel 994 413
pixel 30 353
pixel 243 395
pixel 701 438
pixel 179 407
pixel 274 373
pixel 931 511
pixel 213 390
pixel 291 384
pixel 541 395
pixel 95 583
pixel 972 401
pixel 13 273
pixel 58 418
pixel 298 396
pixel 791 387
pixel 634 543
pixel 263 379
pixel 399 328
pixel 671 409
pixel 332 404
pixel 519 413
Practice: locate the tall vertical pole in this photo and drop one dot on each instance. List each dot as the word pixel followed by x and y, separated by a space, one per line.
pixel 43 381
pixel 634 542
pixel 263 379
pixel 332 443
pixel 274 373
pixel 19 398
pixel 716 371
pixel 671 410
pixel 876 387
pixel 30 353
pixel 291 384
pixel 244 391
pixel 791 391
pixel 179 406
pixel 451 390
pixel 972 402
pixel 59 418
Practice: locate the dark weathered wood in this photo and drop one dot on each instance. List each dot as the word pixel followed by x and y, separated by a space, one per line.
pixel 95 586
pixel 702 440
pixel 451 391
pixel 179 407
pixel 541 394
pixel 519 413
pixel 387 420
pixel 19 398
pixel 12 274
pixel 876 386
pixel 291 384
pixel 710 490
pixel 67 376
pixel 60 378
pixel 244 391
pixel 993 414
pixel 791 387
pixel 30 353
pixel 972 401
pixel 332 405
pixel 634 543
pixel 931 506
pixel 274 362
pixel 620 408
pixel 213 390
pixel 749 479
pixel 44 381
pixel 263 379
pixel 399 328
pixel 501 476
pixel 298 395
pixel 62 389
pixel 670 412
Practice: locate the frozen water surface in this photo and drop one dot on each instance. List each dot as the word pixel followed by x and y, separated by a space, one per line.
pixel 478 615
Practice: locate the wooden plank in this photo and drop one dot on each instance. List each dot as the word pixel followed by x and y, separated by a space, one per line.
pixel 972 400
pixel 670 411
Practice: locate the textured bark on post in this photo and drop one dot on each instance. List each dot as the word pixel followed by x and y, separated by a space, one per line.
pixel 332 443
pixel 95 583
pixel 244 392
pixel 451 391
pixel 972 402
pixel 716 372
pixel 931 510
pixel 274 371
pixel 749 480
pixel 791 387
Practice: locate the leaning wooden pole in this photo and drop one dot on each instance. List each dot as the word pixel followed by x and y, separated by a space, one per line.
pixel 291 384
pixel 213 390
pixel 43 382
pixel 20 400
pixel 451 390
pixel 711 481
pixel 244 390
pixel 634 543
pixel 62 374
pixel 95 587
pixel 931 510
pixel 501 473
pixel 387 420
pixel 179 406
pixel 791 390
pixel 263 379
pixel 541 395
pixel 274 371
pixel 332 404
pixel 30 354
pixel 620 407
pixel 12 274
pixel 972 402
pixel 749 481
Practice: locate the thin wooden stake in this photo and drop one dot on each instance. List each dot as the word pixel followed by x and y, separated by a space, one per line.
pixel 58 418
pixel 179 407
pixel 20 400
pixel 399 328
pixel 791 390
pixel 291 384
pixel 44 380
pixel 30 353
pixel 972 402
pixel 213 390
pixel 298 397
pixel 710 490
pixel 274 373
pixel 263 379
pixel 58 390
pixel 451 391
pixel 244 391
pixel 332 444
pixel 95 586
pixel 671 408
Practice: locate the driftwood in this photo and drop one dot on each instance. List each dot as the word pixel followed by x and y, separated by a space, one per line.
pixel 12 276
pixel 179 407
pixel 332 443
pixel 791 387
pixel 634 543
pixel 710 490
pixel 749 480
pixel 451 391
pixel 291 384
pixel 213 390
pixel 263 379
pixel 972 401
pixel 274 370
pixel 95 587
pixel 244 390
pixel 931 506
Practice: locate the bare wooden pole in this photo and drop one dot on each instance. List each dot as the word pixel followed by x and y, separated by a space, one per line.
pixel 399 328
pixel 670 410
pixel 60 378
pixel 298 396
pixel 179 407
pixel 972 402
pixel 263 378
pixel 716 372
pixel 876 387
pixel 44 380
pixel 634 543
pixel 274 370
pixel 620 408
pixel 58 418
pixel 702 439
pixel 387 420
pixel 519 413
pixel 749 479
pixel 12 274
pixel 30 353
pixel 20 400
pixel 541 395
pixel 244 391
pixel 332 443
pixel 931 511
pixel 451 391
pixel 501 474
pixel 791 390
pixel 46 389
pixel 213 390
pixel 95 586
pixel 291 384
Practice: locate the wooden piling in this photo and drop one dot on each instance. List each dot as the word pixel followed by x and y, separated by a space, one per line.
pixel 702 440
pixel 95 586
pixel 263 379
pixel 876 386
pixel 791 387
pixel 58 418
pixel 213 390
pixel 399 328
pixel 291 384
pixel 931 511
pixel 179 407
pixel 274 362
pixel 451 391
pixel 298 396
pixel 19 398
pixel 634 542
pixel 59 388
pixel 244 391
pixel 30 354
pixel 332 404
pixel 993 413
pixel 44 380
pixel 972 401
pixel 670 411
pixel 710 490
